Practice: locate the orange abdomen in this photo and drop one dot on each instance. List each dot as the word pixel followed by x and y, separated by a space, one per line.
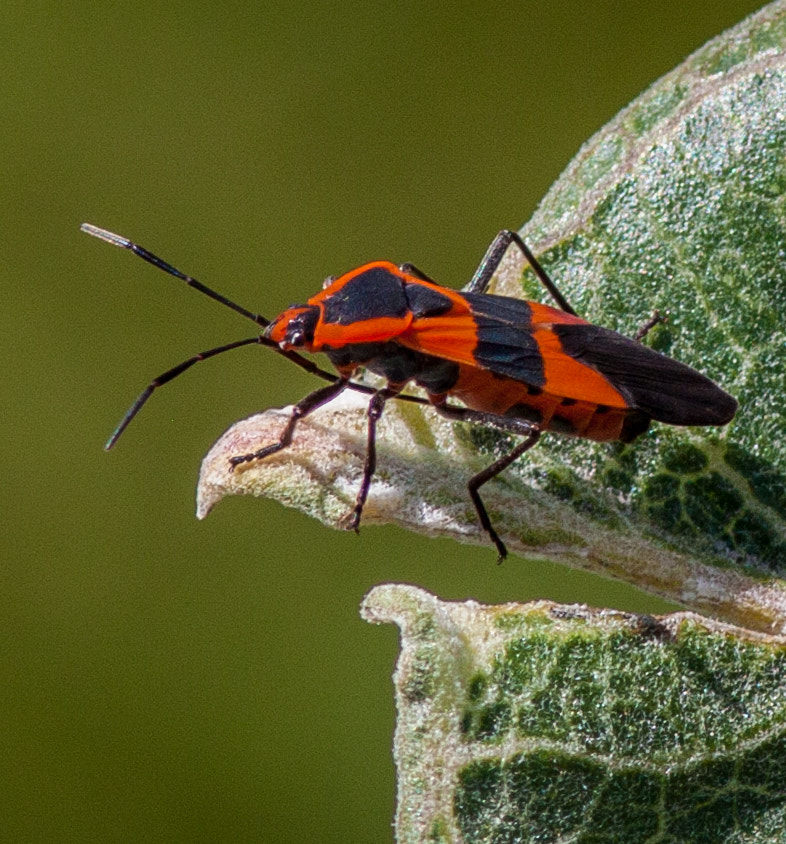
pixel 490 393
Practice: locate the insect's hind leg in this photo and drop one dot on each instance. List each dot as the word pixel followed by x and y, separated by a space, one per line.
pixel 520 427
pixel 302 409
pixel 648 326
pixel 493 258
pixel 477 481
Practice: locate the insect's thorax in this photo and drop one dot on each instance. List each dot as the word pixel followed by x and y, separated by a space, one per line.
pixel 398 365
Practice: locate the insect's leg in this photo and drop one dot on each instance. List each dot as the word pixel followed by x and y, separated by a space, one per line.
pixel 503 423
pixel 508 424
pixel 477 481
pixel 411 269
pixel 648 326
pixel 493 257
pixel 302 409
pixel 375 409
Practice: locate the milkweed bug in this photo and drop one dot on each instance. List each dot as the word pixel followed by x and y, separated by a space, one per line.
pixel 517 366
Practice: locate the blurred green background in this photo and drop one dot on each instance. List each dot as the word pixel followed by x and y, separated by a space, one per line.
pixel 170 680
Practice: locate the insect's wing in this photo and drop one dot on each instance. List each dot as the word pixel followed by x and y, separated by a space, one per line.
pixel 511 338
pixel 665 389
pixel 518 339
pixel 490 332
pixel 568 357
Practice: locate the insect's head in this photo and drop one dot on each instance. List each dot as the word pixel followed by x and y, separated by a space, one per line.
pixel 295 327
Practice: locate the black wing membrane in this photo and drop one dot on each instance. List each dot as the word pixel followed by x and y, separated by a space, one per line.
pixel 667 390
pixel 663 388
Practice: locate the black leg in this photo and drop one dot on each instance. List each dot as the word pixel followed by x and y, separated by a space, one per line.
pixel 519 427
pixel 302 409
pixel 375 409
pixel 411 269
pixel 477 481
pixel 508 424
pixel 648 326
pixel 493 257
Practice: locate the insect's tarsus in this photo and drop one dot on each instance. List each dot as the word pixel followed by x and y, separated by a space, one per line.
pixel 656 318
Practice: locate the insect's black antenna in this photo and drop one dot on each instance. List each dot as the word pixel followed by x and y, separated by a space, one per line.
pixel 161 264
pixel 164 378
pixel 125 243
pixel 167 376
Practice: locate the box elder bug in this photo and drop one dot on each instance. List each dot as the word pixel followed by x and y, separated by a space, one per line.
pixel 518 366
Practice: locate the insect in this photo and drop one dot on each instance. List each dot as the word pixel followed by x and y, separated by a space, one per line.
pixel 520 367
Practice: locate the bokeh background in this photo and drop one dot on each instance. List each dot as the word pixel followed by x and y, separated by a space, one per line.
pixel 170 680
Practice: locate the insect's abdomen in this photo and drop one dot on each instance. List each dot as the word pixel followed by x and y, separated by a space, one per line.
pixel 505 397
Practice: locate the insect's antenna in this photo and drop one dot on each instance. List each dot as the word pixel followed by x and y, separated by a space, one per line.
pixel 125 243
pixel 165 378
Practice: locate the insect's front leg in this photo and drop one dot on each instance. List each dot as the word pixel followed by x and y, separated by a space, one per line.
pixel 302 409
pixel 375 409
pixel 520 427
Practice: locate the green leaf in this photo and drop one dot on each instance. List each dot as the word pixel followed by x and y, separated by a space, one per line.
pixel 677 205
pixel 539 722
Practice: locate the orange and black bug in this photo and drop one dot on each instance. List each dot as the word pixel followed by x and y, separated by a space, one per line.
pixel 520 367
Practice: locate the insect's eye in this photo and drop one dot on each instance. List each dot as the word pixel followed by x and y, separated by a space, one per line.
pixel 300 328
